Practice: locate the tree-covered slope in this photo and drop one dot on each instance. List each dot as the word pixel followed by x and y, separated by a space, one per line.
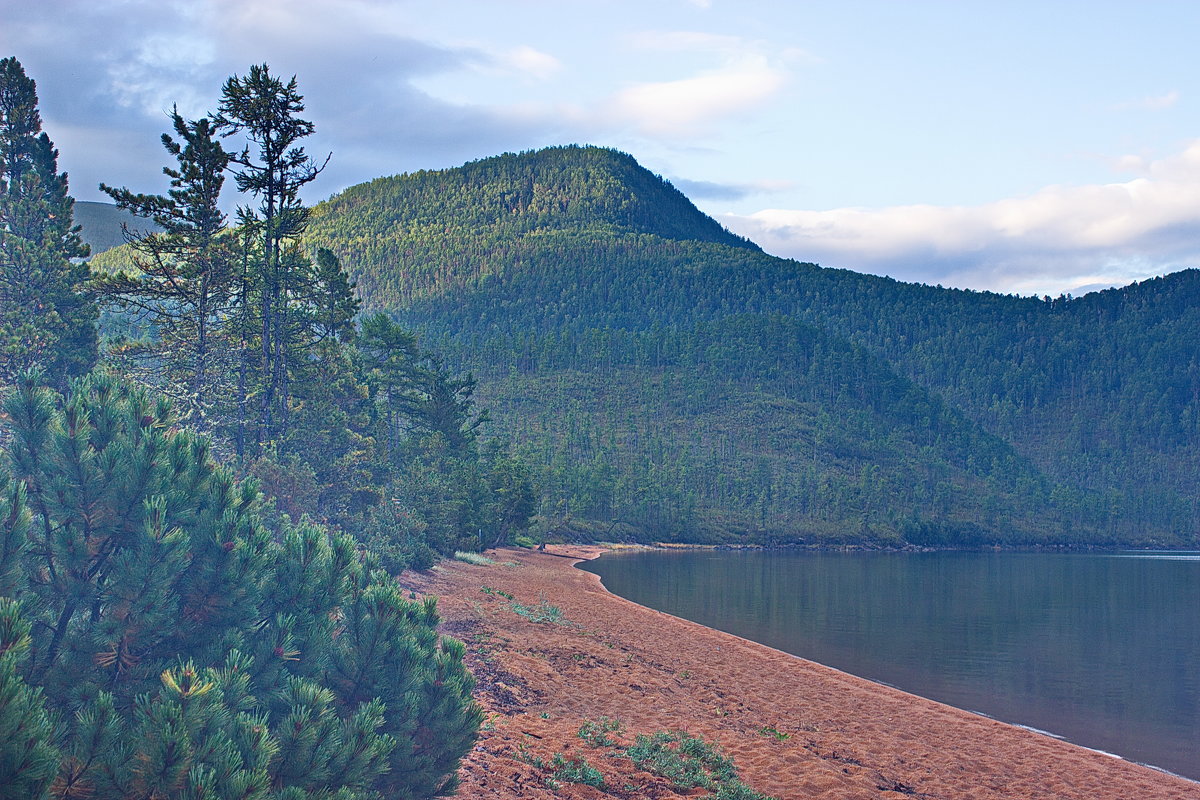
pixel 647 358
pixel 101 225
pixel 447 228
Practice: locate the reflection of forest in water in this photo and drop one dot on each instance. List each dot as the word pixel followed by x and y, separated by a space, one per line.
pixel 1102 649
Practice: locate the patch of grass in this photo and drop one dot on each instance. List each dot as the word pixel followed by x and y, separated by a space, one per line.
pixel 542 612
pixel 529 758
pixel 488 590
pixel 597 733
pixel 771 730
pixel 473 558
pixel 687 761
pixel 575 770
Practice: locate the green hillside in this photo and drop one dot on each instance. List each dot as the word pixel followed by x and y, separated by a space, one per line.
pixel 664 373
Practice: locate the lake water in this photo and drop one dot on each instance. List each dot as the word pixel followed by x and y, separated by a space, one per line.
pixel 1100 649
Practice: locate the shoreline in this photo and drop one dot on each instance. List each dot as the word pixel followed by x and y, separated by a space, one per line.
pixel 793 727
pixel 606 548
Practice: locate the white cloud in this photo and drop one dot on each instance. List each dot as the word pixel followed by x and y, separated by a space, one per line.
pixel 1156 102
pixel 1056 239
pixel 746 77
pixel 1162 101
pixel 162 72
pixel 532 62
pixel 687 106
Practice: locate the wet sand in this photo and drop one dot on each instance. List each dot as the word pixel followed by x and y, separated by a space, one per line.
pixel 794 728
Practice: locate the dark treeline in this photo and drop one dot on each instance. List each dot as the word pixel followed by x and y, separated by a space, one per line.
pixel 691 382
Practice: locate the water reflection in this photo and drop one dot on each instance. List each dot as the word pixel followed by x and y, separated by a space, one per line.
pixel 1101 649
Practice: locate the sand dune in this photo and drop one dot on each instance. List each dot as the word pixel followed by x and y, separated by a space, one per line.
pixel 794 728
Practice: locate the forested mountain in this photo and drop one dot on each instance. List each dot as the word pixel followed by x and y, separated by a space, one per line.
pixel 664 373
pixel 101 225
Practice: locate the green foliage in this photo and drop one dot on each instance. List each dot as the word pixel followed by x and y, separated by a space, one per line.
pixel 771 730
pixel 576 770
pixel 473 558
pixel 687 761
pixel 596 732
pixel 46 320
pixel 28 758
pixel 186 648
pixel 396 534
pixel 542 612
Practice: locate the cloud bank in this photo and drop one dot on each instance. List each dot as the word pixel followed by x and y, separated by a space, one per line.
pixel 105 100
pixel 1059 238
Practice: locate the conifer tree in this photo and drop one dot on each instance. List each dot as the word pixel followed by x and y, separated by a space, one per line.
pixel 185 272
pixel 273 168
pixel 45 318
pixel 28 758
pixel 188 651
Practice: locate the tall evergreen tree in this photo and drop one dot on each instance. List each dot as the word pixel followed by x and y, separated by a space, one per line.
pixel 45 317
pixel 273 167
pixel 185 273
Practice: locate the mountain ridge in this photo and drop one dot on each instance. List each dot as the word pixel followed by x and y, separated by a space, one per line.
pixel 575 290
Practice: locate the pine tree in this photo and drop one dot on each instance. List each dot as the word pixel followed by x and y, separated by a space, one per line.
pixel 28 758
pixel 186 649
pixel 185 272
pixel 272 167
pixel 45 318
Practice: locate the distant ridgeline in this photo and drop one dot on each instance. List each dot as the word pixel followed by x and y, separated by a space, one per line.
pixel 662 373
pixel 101 224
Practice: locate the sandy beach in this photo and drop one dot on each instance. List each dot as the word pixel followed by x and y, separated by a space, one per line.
pixel 795 729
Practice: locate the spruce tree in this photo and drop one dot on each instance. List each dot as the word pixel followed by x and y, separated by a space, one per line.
pixel 45 318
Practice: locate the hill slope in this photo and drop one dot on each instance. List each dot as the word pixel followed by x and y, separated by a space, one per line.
pixel 101 223
pixel 666 373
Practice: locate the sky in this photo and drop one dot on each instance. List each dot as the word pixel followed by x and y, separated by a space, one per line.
pixel 1018 147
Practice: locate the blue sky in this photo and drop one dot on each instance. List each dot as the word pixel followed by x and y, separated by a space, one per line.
pixel 1018 147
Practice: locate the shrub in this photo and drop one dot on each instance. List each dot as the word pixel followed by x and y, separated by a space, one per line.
pixel 396 535
pixel 575 770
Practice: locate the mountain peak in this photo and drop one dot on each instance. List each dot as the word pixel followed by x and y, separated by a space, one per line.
pixel 565 188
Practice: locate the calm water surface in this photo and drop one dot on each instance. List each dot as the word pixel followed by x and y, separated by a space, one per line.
pixel 1103 650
